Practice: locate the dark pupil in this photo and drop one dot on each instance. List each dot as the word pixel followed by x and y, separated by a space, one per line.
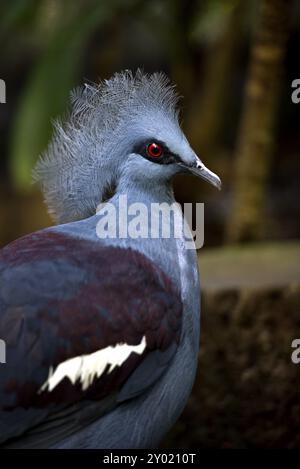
pixel 154 149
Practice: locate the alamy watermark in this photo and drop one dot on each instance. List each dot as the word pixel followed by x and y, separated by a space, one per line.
pixel 2 351
pixel 2 92
pixel 295 356
pixel 157 220
pixel 296 93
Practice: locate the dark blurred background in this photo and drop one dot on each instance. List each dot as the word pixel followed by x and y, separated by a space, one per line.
pixel 234 62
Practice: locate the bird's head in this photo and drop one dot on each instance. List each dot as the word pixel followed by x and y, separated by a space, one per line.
pixel 125 129
pixel 158 149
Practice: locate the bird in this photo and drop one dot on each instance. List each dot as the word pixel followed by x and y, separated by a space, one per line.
pixel 102 333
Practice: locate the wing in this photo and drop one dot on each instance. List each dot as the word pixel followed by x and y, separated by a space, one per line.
pixel 82 323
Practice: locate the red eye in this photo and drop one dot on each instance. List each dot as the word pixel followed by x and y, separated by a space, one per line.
pixel 154 150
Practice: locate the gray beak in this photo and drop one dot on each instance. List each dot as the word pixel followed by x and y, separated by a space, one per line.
pixel 199 169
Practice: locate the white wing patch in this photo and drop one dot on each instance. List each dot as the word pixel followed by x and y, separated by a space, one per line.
pixel 86 367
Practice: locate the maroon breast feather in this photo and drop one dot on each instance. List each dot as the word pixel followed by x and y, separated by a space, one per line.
pixel 68 298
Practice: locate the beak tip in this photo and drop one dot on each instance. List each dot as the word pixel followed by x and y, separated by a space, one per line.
pixel 211 177
pixel 200 170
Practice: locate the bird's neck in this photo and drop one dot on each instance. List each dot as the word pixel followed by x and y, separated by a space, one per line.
pixel 148 192
pixel 154 223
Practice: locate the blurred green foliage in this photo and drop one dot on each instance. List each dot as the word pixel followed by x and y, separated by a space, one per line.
pixel 51 79
pixel 60 31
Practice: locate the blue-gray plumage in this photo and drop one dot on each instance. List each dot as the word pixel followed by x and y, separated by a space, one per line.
pixel 102 334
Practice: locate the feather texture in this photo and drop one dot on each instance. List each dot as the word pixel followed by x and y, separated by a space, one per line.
pixel 83 159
